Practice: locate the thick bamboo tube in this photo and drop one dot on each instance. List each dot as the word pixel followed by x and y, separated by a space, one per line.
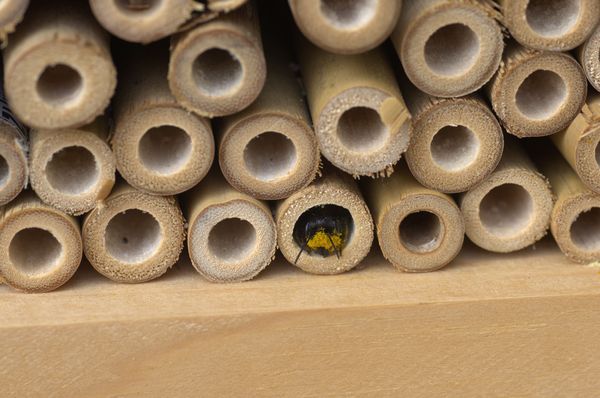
pixel 333 201
pixel 511 209
pixel 218 68
pixel 11 13
pixel 231 236
pixel 418 229
pixel 14 169
pixel 589 58
pixel 537 93
pixel 133 237
pixel 148 121
pixel 359 116
pixel 58 70
pixel 448 48
pixel 346 27
pixel 40 246
pixel 557 25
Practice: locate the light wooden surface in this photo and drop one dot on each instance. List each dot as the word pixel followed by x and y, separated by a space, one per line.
pixel 521 324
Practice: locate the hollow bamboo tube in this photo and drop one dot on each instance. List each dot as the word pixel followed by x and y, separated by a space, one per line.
pixel 40 246
pixel 537 93
pixel 448 48
pixel 588 55
pixel 58 68
pixel 14 169
pixel 337 192
pixel 133 237
pixel 418 229
pixel 557 25
pixel 159 147
pixel 11 13
pixel 346 27
pixel 359 116
pixel 218 68
pixel 511 209
pixel 231 236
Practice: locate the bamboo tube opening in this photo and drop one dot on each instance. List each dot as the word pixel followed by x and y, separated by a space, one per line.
pixel 552 18
pixel 506 210
pixel 152 153
pixel 452 50
pixel 217 72
pixel 72 170
pixel 59 85
pixel 361 129
pixel 541 95
pixel 454 147
pixel 5 171
pixel 232 240
pixel 348 14
pixel 34 251
pixel 138 7
pixel 421 232
pixel 585 230
pixel 270 156
pixel 132 236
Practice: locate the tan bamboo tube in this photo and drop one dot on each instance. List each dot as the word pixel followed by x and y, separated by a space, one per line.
pixel 218 68
pixel 333 193
pixel 359 116
pixel 511 209
pixel 148 121
pixel 557 25
pixel 11 13
pixel 133 237
pixel 537 93
pixel 589 58
pixel 58 71
pixel 418 229
pixel 231 236
pixel 448 48
pixel 40 246
pixel 346 27
pixel 14 169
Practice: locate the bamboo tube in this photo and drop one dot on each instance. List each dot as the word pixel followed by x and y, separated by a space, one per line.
pixel 537 93
pixel 218 68
pixel 589 58
pixel 58 68
pixel 133 237
pixel 448 48
pixel 418 229
pixel 11 13
pixel 13 154
pixel 333 196
pixel 557 25
pixel 346 27
pixel 359 116
pixel 40 246
pixel 231 236
pixel 148 119
pixel 72 169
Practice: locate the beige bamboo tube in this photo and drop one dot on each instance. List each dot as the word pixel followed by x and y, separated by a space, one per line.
pixel 218 68
pixel 448 48
pixel 14 169
pixel 334 195
pixel 58 70
pixel 557 25
pixel 346 27
pixel 418 229
pixel 589 58
pixel 231 236
pixel 11 13
pixel 537 93
pixel 359 116
pixel 133 237
pixel 40 246
pixel 160 148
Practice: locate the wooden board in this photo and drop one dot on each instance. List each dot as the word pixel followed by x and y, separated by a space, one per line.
pixel 525 324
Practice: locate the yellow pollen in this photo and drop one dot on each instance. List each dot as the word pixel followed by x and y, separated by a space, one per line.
pixel 322 240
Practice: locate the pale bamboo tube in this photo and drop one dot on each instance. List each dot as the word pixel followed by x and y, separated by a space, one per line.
pixel 346 26
pixel 589 58
pixel 511 209
pixel 359 116
pixel 58 68
pixel 40 246
pixel 160 148
pixel 537 93
pixel 218 68
pixel 11 13
pixel 557 25
pixel 231 236
pixel 14 169
pixel 335 190
pixel 418 229
pixel 133 237
pixel 448 48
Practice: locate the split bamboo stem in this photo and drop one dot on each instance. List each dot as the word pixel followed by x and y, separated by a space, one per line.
pixel 589 57
pixel 14 168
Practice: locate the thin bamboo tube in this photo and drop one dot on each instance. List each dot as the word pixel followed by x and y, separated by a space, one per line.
pixel 218 68
pixel 231 236
pixel 40 246
pixel 11 13
pixel 418 229
pixel 58 68
pixel 557 25
pixel 14 169
pixel 133 237
pixel 537 93
pixel 149 120
pixel 359 116
pixel 589 57
pixel 448 48
pixel 346 27
pixel 511 209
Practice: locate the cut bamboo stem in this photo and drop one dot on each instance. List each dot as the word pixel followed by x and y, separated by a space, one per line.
pixel 58 67
pixel 40 246
pixel 11 13
pixel 589 58
pixel 14 168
